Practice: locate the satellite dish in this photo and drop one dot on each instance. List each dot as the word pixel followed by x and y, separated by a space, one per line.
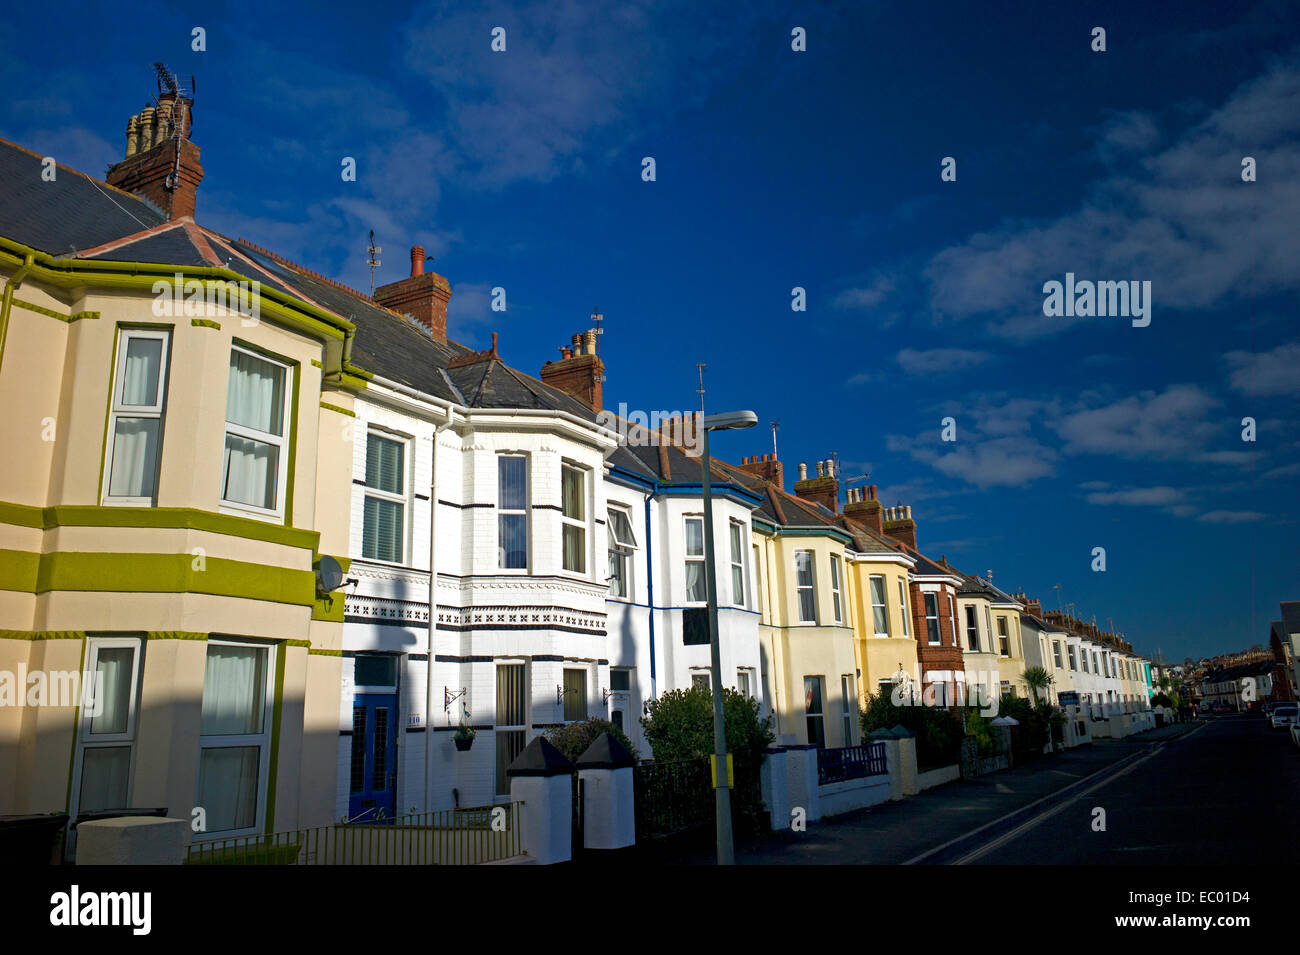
pixel 329 575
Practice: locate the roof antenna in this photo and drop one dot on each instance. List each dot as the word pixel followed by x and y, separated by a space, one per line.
pixel 596 319
pixel 775 425
pixel 700 365
pixel 373 260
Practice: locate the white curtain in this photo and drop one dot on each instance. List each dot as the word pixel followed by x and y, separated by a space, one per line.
pixel 234 690
pixel 104 771
pixel 878 604
pixel 252 468
pixel 695 582
pixel 113 667
pixel 135 457
pixel 255 394
pixel 228 786
pixel 143 364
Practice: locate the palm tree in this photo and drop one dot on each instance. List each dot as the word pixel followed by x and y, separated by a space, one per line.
pixel 1038 680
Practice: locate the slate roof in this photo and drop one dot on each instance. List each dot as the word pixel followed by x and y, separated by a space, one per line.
pixel 72 212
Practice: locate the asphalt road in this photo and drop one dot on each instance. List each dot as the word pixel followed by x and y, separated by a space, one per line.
pixel 1226 794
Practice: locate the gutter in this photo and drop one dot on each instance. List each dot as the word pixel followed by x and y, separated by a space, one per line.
pixel 433 611
pixel 7 302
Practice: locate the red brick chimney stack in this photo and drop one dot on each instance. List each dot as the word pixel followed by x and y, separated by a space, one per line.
pixel 579 372
pixel 423 296
pixel 767 467
pixel 161 164
pixel 866 512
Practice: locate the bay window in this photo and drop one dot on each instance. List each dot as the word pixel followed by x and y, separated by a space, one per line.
pixel 512 511
pixel 234 740
pixel 135 424
pixel 805 584
pixel 106 730
pixel 879 614
pixel 696 591
pixel 737 564
pixel 932 616
pixel 254 470
pixel 383 534
pixel 573 513
pixel 835 589
pixel 622 541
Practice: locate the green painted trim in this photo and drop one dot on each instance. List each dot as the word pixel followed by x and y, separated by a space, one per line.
pixel 108 411
pixel 42 634
pixel 42 310
pixel 289 483
pixel 317 364
pixel 306 644
pixel 205 323
pixel 274 772
pixel 319 652
pixel 19 571
pixel 156 574
pixel 79 515
pixel 329 407
pixel 23 266
pixel 328 608
pixel 175 635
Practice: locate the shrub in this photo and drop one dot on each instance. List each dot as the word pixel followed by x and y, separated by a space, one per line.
pixel 680 725
pixel 938 731
pixel 572 739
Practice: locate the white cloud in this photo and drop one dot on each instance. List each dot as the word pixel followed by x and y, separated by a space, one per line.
pixel 1231 517
pixel 936 361
pixel 1167 424
pixel 1265 374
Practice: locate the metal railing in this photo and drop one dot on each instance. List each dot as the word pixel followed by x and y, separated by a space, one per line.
pixel 449 837
pixel 850 762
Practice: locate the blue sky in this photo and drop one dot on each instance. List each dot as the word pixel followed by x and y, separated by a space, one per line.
pixel 818 169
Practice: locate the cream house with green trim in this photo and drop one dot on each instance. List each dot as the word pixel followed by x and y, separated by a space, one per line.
pixel 180 415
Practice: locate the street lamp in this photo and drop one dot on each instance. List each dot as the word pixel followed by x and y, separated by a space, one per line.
pixel 727 421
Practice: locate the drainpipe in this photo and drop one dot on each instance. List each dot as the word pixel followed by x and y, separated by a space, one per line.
pixel 650 589
pixel 6 304
pixel 433 611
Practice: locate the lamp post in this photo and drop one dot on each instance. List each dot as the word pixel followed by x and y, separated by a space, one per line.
pixel 721 789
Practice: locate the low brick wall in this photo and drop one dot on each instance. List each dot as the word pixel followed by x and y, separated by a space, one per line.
pixel 937 777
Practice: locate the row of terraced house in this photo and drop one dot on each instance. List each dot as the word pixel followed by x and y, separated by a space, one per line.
pixel 302 536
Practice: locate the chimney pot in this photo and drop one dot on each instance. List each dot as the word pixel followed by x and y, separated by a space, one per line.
pixel 417 260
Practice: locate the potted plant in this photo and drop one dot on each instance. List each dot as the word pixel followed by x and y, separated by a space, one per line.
pixel 464 736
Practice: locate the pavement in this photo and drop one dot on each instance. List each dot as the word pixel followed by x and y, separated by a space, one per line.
pixel 1158 789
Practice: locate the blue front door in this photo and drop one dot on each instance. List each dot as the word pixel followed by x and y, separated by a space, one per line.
pixel 374 757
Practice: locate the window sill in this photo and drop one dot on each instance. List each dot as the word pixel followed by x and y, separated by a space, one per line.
pixel 257 514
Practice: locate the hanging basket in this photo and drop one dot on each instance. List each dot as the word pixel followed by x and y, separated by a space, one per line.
pixel 463 743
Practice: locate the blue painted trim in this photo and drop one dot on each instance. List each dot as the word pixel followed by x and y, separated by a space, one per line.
pixel 733 491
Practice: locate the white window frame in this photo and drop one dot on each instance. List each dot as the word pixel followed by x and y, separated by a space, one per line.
pixel 117 410
pixel 836 603
pixel 621 550
pixel 902 607
pixel 745 682
pixel 582 524
pixel 937 638
pixel 1073 656
pixel 952 620
pixel 811 587
pixel 689 558
pixel 972 617
pixel 241 741
pixel 736 542
pixel 281 442
pixel 1057 659
pixel 848 695
pixel 504 511
pixel 1004 637
pixel 883 606
pixel 85 740
pixel 404 499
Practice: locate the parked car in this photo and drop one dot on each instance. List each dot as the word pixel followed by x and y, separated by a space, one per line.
pixel 1284 714
pixel 1295 734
